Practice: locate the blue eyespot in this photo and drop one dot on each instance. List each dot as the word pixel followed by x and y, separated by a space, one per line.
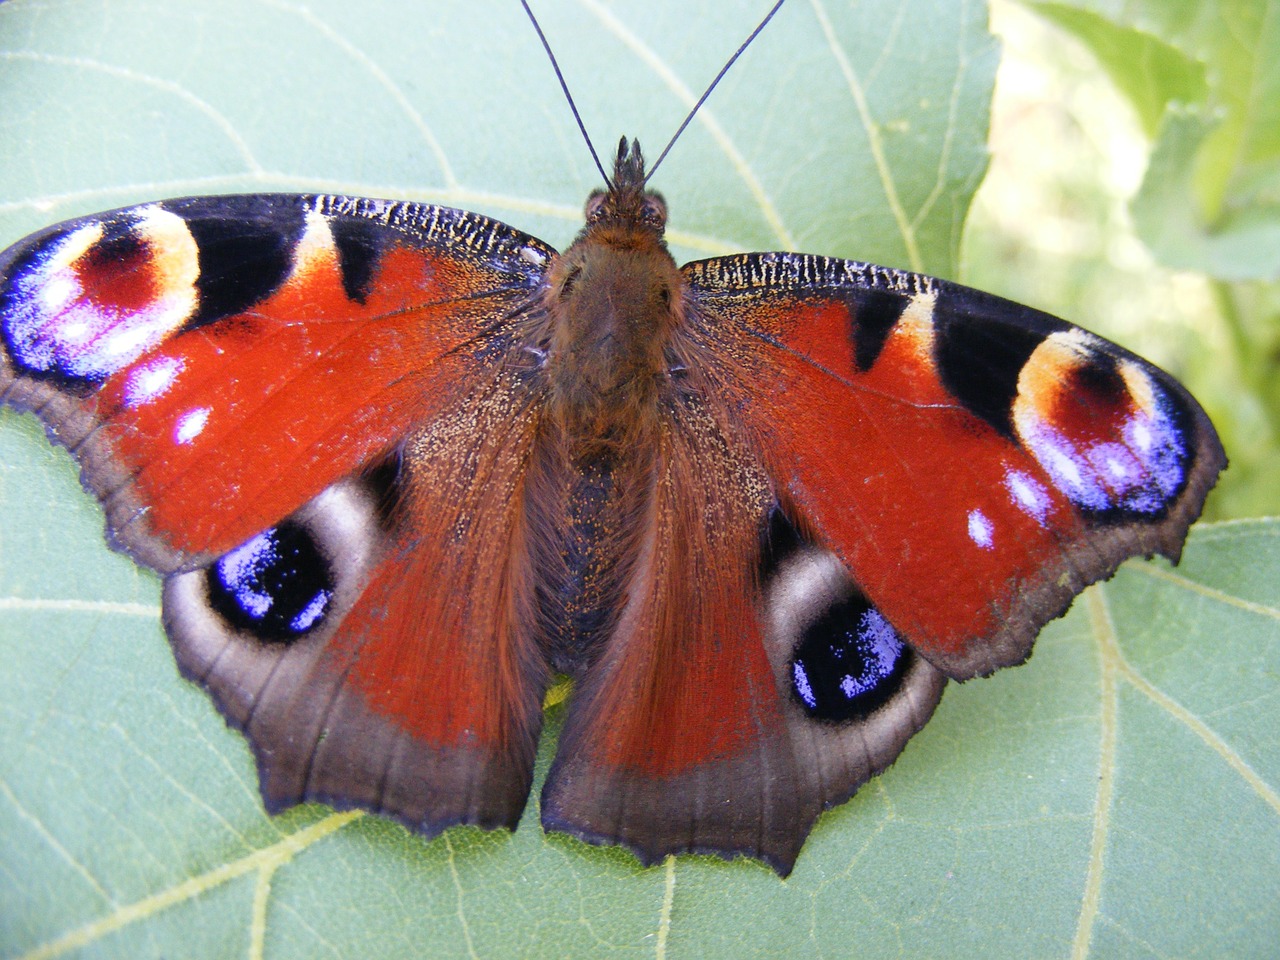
pixel 276 586
pixel 849 663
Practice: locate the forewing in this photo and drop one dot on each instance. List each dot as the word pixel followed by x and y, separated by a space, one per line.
pixel 216 362
pixel 973 462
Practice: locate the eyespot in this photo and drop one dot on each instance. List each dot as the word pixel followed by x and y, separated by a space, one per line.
pixel 849 663
pixel 277 585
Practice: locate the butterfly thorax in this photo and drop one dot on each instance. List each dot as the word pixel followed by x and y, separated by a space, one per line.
pixel 614 299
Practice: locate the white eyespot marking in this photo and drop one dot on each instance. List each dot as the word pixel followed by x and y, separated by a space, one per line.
pixel 151 380
pixel 58 292
pixel 1141 437
pixel 1114 461
pixel 312 612
pixel 803 687
pixel 1065 464
pixel 75 332
pixel 76 315
pixel 530 255
pixel 981 530
pixel 191 424
pixel 1028 495
pixel 240 567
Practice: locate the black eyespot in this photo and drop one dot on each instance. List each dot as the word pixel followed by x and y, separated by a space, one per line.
pixel 276 586
pixel 849 663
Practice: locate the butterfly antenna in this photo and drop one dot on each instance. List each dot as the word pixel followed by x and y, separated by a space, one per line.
pixel 703 99
pixel 555 65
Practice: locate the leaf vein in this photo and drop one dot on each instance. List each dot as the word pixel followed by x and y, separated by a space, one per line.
pixel 266 858
pixel 159 83
pixel 875 144
pixel 705 117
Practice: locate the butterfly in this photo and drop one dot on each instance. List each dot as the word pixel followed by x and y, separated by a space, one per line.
pixel 401 465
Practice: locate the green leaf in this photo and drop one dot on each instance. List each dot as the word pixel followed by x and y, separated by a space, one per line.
pixel 1221 147
pixel 1150 72
pixel 1245 243
pixel 1119 790
pixel 1074 805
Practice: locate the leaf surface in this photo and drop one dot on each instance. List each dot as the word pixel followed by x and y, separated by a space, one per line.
pixel 1075 804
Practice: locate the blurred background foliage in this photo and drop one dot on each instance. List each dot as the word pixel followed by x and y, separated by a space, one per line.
pixel 1135 189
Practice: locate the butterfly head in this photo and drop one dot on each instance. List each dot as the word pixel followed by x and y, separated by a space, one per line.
pixel 614 299
pixel 626 202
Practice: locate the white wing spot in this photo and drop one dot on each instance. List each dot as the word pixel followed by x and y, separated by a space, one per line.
pixel 981 530
pixel 191 424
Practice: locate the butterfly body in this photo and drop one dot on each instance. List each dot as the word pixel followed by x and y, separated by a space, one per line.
pixel 401 464
pixel 613 302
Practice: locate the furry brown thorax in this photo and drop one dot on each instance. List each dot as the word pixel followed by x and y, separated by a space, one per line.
pixel 614 298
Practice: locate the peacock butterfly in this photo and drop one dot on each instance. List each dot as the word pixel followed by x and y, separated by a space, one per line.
pixel 401 464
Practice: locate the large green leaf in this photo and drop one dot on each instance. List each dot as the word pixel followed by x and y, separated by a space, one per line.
pixel 1211 198
pixel 1114 796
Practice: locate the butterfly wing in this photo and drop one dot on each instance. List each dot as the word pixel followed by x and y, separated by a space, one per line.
pixel 869 480
pixel 272 397
pixel 682 736
pixel 973 462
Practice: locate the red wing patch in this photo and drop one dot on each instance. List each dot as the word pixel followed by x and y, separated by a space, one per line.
pixel 973 462
pixel 682 705
pixel 246 352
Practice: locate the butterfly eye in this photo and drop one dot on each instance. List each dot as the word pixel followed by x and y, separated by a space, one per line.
pixel 654 211
pixel 595 206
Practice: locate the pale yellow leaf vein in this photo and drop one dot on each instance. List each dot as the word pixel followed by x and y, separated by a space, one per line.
pixel 383 79
pixel 948 135
pixel 875 144
pixel 80 606
pixel 664 918
pixel 53 843
pixel 1104 632
pixel 1202 730
pixel 457 887
pixel 705 117
pixel 267 859
pixel 1161 573
pixel 168 86
pixel 258 924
